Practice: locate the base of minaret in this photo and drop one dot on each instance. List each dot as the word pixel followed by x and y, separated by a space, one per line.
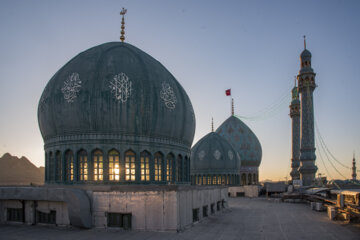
pixel 307 172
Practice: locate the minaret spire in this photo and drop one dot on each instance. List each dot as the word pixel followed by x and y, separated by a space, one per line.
pixel 122 13
pixel 354 168
pixel 232 107
pixel 295 129
pixel 212 124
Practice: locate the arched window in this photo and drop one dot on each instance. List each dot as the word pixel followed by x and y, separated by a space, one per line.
pixel 58 166
pixel 204 180
pixel 83 165
pixel 69 159
pixel 145 166
pixel 186 170
pixel 51 166
pixel 223 180
pixel 254 178
pixel 219 179
pixel 130 166
pixel 98 165
pixel 179 169
pixel 243 179
pixel 249 177
pixel 227 179
pixel 158 166
pixel 46 167
pixel 208 180
pixel 169 167
pixel 214 180
pixel 114 165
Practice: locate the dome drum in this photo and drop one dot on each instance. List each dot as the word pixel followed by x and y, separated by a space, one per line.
pixel 116 164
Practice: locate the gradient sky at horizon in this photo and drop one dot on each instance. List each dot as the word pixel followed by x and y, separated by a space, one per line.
pixel 252 47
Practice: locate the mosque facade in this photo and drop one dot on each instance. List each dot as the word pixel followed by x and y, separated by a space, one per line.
pixel 117 129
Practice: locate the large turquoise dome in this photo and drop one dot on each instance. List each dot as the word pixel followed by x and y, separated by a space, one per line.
pixel 115 114
pixel 115 88
pixel 243 140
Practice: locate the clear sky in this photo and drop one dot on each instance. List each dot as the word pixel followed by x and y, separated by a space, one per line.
pixel 252 47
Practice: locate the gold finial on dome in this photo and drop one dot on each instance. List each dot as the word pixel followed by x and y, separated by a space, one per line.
pixel 122 13
pixel 304 42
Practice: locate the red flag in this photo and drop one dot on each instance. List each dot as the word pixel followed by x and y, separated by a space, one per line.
pixel 228 92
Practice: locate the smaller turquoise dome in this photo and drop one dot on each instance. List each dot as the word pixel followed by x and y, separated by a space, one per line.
pixel 214 155
pixel 244 141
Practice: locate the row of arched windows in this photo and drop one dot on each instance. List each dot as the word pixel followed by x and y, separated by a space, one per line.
pixel 219 179
pixel 115 167
pixel 225 179
pixel 249 179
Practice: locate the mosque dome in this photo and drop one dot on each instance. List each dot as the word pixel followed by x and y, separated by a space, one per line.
pixel 212 154
pixel 305 59
pixel 243 140
pixel 115 88
pixel 305 54
pixel 110 107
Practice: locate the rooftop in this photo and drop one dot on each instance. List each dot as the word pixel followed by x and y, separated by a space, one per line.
pixel 257 218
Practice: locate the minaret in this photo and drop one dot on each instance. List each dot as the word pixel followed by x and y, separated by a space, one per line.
pixel 295 117
pixel 354 169
pixel 306 85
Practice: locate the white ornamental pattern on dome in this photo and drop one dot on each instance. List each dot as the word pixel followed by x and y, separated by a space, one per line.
pixel 120 87
pixel 231 155
pixel 168 96
pixel 71 87
pixel 201 155
pixel 217 154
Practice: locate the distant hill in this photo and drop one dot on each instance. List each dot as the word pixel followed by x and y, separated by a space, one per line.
pixel 19 171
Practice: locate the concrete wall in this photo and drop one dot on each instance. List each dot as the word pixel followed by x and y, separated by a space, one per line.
pixel 76 201
pixel 156 210
pixel 249 190
pixel 62 217
pixel 151 210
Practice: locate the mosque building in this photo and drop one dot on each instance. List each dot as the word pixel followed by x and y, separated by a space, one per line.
pixel 117 129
